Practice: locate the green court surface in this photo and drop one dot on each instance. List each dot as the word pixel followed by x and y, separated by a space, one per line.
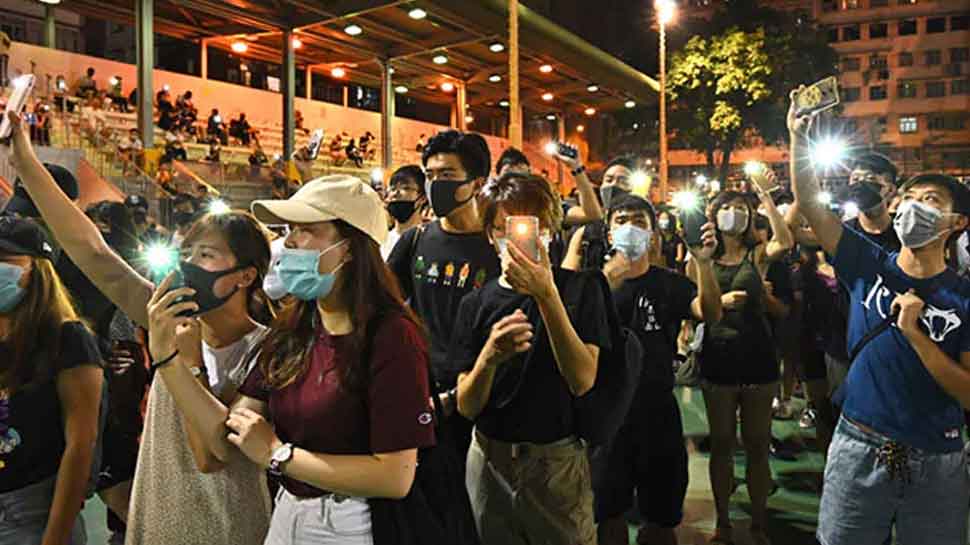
pixel 793 508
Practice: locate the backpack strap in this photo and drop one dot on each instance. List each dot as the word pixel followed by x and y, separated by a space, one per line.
pixel 418 231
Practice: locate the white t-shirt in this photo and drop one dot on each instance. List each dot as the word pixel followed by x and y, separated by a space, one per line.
pixel 392 237
pixel 228 365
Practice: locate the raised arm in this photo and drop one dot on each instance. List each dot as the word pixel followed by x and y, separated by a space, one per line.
pixel 825 224
pixel 706 306
pixel 78 235
pixel 782 239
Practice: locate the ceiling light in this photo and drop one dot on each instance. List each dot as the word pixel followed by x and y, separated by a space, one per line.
pixel 503 103
pixel 496 47
pixel 242 67
pixel 447 87
pixel 630 104
pixel 469 118
pixel 592 88
pixel 239 47
pixel 495 78
pixel 401 89
pixel 417 14
pixel 580 128
pixel 51 2
pixel 297 44
pixel 545 68
pixel 551 117
pixel 590 111
pixel 440 59
pixel 390 70
pixel 547 97
pixel 353 30
pixel 338 72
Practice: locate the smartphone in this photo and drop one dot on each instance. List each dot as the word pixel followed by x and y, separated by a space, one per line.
pixel 523 231
pixel 313 147
pixel 566 150
pixel 818 97
pixel 22 86
pixel 692 220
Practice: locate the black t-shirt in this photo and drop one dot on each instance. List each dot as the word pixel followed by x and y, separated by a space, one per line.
pixel 31 424
pixel 653 306
pixel 888 239
pixel 780 275
pixel 540 410
pixel 435 275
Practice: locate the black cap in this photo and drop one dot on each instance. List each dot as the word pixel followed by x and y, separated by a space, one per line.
pixel 136 201
pixel 878 163
pixel 959 192
pixel 21 204
pixel 23 236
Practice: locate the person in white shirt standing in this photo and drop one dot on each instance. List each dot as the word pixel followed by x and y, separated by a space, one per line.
pixel 405 202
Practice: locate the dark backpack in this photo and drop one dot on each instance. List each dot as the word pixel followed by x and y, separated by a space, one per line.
pixel 594 246
pixel 600 412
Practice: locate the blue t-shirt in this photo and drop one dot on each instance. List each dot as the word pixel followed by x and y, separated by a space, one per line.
pixel 888 387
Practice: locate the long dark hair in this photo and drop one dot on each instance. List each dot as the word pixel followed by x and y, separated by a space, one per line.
pixel 123 238
pixel 748 239
pixel 370 292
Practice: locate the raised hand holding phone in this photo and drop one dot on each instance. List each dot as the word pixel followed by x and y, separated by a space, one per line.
pixel 22 87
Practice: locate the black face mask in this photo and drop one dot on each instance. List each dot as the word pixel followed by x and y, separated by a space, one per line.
pixel 611 192
pixel 866 195
pixel 401 211
pixel 183 219
pixel 442 195
pixel 203 281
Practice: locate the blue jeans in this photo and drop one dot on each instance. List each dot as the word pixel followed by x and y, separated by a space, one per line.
pixel 24 512
pixel 926 495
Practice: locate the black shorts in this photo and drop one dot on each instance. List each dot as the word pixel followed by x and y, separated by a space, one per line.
pixel 647 457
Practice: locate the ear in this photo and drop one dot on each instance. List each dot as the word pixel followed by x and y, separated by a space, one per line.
pixel 249 276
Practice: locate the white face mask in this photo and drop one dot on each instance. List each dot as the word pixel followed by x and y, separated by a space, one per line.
pixel 663 223
pixel 732 221
pixel 918 224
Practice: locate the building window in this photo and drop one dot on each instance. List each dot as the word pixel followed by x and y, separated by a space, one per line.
pixel 906 59
pixel 933 57
pixel 908 125
pixel 936 123
pixel 960 87
pixel 832 34
pixel 878 30
pixel 935 89
pixel 829 5
pixel 851 33
pixel 877 92
pixel 850 64
pixel 936 25
pixel 906 89
pixel 960 22
pixel 954 122
pixel 960 54
pixel 850 94
pixel 907 27
pixel 878 3
pixel 850 4
pixel 878 62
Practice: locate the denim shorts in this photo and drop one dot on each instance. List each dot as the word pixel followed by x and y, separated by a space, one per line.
pixel 24 512
pixel 926 495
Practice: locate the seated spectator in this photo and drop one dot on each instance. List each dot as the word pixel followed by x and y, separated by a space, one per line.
pixel 86 86
pixel 166 111
pixel 336 150
pixel 215 152
pixel 115 93
pixel 133 98
pixel 40 124
pixel 257 159
pixel 366 151
pixel 130 147
pixel 215 128
pixel 241 130
pixel 165 179
pixel 174 150
pixel 353 154
pixel 298 123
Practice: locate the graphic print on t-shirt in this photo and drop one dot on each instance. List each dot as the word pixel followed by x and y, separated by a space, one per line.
pixel 938 322
pixel 449 273
pixel 463 276
pixel 433 273
pixel 419 268
pixel 480 278
pixel 9 437
pixel 648 314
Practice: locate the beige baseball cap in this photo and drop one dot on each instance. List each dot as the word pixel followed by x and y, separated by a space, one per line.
pixel 329 198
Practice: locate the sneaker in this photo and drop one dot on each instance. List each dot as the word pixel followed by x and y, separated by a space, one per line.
pixel 782 410
pixel 808 419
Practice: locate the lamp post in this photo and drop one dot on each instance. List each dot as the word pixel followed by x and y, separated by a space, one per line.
pixel 665 14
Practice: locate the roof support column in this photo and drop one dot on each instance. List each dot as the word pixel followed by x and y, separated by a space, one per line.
pixel 145 55
pixel 50 27
pixel 204 57
pixel 289 89
pixel 387 114
pixel 462 105
pixel 561 137
pixel 309 81
pixel 515 107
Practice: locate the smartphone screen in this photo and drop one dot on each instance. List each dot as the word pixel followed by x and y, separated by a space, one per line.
pixel 818 97
pixel 523 231
pixel 566 150
pixel 692 220
pixel 314 146
pixel 22 86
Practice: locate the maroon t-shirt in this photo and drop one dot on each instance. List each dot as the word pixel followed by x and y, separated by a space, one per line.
pixel 316 414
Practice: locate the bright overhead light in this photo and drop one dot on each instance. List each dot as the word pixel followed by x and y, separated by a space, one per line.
pixel 244 68
pixel 590 111
pixel 390 70
pixel 503 103
pixel 665 10
pixel 545 68
pixel 495 78
pixel 447 87
pixel 547 97
pixel 417 14
pixel 114 80
pixel 377 175
pixel 401 89
pixel 630 104
pixel 440 59
pixel 496 47
pixel 353 30
pixel 551 117
pixel 469 118
pixel 592 88
pixel 51 2
pixel 338 72
pixel 580 128
pixel 297 43
pixel 239 47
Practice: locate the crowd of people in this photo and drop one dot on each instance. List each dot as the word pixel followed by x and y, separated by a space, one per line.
pixel 463 357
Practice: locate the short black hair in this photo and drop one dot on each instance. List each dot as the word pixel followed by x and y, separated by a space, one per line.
pixel 624 161
pixel 510 157
pixel 182 198
pixel 878 164
pixel 409 172
pixel 188 94
pixel 90 71
pixel 959 192
pixel 471 149
pixel 632 202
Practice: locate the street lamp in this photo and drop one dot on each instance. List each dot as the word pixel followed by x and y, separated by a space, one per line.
pixel 665 14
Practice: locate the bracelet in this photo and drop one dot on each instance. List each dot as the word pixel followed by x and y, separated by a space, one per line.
pixel 166 361
pixel 451 396
pixel 579 170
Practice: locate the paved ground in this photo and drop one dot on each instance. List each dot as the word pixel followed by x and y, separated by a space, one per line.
pixel 794 508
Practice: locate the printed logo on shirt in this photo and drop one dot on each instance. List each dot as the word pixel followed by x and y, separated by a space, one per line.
pixel 480 277
pixel 419 267
pixel 952 433
pixel 449 273
pixel 463 275
pixel 938 322
pixel 9 437
pixel 433 273
pixel 424 419
pixel 648 314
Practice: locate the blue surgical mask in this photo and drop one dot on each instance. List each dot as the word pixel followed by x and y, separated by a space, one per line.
pixel 297 270
pixel 11 294
pixel 633 241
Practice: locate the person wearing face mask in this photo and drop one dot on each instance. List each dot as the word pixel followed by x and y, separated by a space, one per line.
pixel 897 459
pixel 739 366
pixel 649 456
pixel 185 209
pixel 224 259
pixel 337 404
pixel 872 184
pixel 405 202
pixel 523 361
pixel 50 394
pixel 440 262
pixel 672 246
pixel 588 245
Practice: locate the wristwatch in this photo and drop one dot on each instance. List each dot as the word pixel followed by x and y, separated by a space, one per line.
pixel 281 455
pixel 578 170
pixel 198 371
